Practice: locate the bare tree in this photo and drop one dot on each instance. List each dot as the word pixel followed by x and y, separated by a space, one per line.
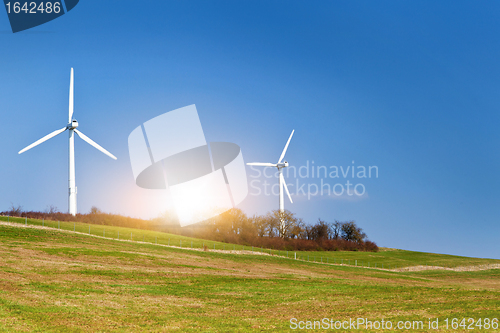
pixel 272 224
pixel 284 230
pixel 351 232
pixel 298 230
pixel 53 209
pixel 335 229
pixel 260 225
pixel 94 210
pixel 15 210
pixel 321 230
pixel 309 232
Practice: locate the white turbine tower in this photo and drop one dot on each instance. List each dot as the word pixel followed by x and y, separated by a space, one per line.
pixel 280 165
pixel 72 125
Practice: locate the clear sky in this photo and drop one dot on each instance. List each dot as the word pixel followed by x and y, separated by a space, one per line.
pixel 409 87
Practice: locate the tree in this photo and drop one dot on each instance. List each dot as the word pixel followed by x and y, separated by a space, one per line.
pixel 298 230
pixel 242 225
pixel 260 224
pixel 335 229
pixel 309 232
pixel 272 224
pixel 351 232
pixel 51 209
pixel 234 221
pixel 284 230
pixel 94 210
pixel 320 230
pixel 15 210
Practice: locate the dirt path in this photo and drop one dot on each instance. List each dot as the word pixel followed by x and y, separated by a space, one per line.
pixel 455 269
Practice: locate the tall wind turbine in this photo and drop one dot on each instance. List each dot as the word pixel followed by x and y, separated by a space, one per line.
pixel 280 165
pixel 72 127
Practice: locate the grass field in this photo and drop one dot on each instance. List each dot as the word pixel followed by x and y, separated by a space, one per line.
pixel 386 258
pixel 61 281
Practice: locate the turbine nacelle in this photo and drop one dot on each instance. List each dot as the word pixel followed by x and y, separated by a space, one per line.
pixel 282 165
pixel 73 124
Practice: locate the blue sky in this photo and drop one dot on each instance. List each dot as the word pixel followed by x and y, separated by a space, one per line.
pixel 411 88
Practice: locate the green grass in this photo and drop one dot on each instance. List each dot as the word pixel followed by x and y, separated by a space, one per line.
pixel 385 258
pixel 392 258
pixel 53 281
pixel 139 235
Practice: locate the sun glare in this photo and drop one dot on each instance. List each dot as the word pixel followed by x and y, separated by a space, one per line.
pixel 201 198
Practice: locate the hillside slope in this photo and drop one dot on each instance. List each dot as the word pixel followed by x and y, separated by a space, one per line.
pixel 61 281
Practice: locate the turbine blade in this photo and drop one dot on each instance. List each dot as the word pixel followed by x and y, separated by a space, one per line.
pixel 263 164
pixel 286 147
pixel 71 97
pixel 45 138
pixel 286 188
pixel 93 144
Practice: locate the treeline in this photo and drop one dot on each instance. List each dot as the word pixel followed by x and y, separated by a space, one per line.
pixel 234 226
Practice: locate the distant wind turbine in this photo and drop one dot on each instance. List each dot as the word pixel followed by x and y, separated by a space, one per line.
pixel 280 165
pixel 72 125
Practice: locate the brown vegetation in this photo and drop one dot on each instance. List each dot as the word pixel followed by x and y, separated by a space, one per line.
pixel 234 226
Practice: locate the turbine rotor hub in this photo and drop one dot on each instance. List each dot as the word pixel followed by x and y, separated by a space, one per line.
pixel 73 124
pixel 282 165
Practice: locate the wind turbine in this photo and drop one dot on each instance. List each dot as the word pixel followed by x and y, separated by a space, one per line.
pixel 280 165
pixel 72 127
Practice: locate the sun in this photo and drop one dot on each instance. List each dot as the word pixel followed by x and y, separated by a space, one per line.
pixel 201 198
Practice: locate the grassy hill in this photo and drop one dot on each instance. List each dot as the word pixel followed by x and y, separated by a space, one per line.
pixel 62 281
